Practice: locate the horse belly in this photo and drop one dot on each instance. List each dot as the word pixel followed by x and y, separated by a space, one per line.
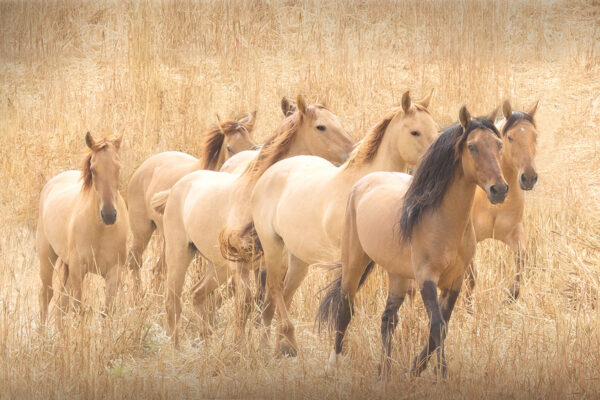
pixel 304 221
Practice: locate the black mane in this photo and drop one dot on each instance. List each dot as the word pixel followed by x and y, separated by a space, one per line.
pixel 436 172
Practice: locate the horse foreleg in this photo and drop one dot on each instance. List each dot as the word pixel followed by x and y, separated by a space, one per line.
pixel 516 241
pixel 471 276
pixel 439 315
pixel 114 277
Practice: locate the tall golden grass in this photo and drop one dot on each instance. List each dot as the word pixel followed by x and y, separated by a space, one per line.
pixel 159 71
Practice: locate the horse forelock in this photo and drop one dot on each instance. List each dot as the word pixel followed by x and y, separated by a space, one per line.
pixel 516 117
pixel 86 171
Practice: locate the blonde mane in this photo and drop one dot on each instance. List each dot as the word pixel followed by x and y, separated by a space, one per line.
pixel 215 136
pixel 278 145
pixel 367 148
pixel 86 172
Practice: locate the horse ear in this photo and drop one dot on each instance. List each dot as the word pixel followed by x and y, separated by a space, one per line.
pixel 301 104
pixel 248 121
pixel 506 109
pixel 494 114
pixel 89 140
pixel 464 117
pixel 117 142
pixel 287 107
pixel 406 102
pixel 533 109
pixel 219 122
pixel 427 100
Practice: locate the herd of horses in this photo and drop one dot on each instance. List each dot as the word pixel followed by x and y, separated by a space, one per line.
pixel 308 196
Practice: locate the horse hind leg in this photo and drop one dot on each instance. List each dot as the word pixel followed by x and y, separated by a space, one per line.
pixel 398 289
pixel 179 254
pixel 201 293
pixel 48 261
pixel 141 228
pixel 276 269
pixel 160 268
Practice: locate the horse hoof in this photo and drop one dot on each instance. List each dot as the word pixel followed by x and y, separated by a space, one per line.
pixel 513 294
pixel 287 350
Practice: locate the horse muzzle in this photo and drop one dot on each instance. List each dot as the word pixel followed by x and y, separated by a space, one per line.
pixel 109 216
pixel 497 192
pixel 528 180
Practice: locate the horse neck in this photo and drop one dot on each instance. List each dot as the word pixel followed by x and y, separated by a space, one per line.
pixel 387 158
pixel 511 175
pixel 221 158
pixel 216 164
pixel 457 204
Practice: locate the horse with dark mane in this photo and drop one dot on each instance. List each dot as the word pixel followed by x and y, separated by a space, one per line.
pixel 433 241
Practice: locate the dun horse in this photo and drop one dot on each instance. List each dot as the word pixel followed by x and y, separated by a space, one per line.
pixel 434 240
pixel 504 221
pixel 298 205
pixel 201 204
pixel 161 171
pixel 83 225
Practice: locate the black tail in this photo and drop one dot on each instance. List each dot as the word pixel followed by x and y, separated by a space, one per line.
pixel 334 306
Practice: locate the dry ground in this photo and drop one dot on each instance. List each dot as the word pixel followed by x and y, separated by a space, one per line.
pixel 158 72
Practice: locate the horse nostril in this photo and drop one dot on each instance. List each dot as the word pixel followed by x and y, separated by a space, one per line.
pixel 499 189
pixel 535 178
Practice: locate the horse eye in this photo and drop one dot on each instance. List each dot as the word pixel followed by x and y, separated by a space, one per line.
pixel 229 149
pixel 415 133
pixel 510 138
pixel 321 127
pixel 500 144
pixel 472 149
pixel 93 171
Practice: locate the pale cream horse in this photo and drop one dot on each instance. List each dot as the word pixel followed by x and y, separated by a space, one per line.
pixel 161 171
pixel 83 225
pixel 504 221
pixel 298 205
pixel 201 204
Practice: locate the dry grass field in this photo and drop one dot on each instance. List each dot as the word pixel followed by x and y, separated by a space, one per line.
pixel 158 72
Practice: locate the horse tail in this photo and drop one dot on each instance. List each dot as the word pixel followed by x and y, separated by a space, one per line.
pixel 159 201
pixel 332 304
pixel 242 245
